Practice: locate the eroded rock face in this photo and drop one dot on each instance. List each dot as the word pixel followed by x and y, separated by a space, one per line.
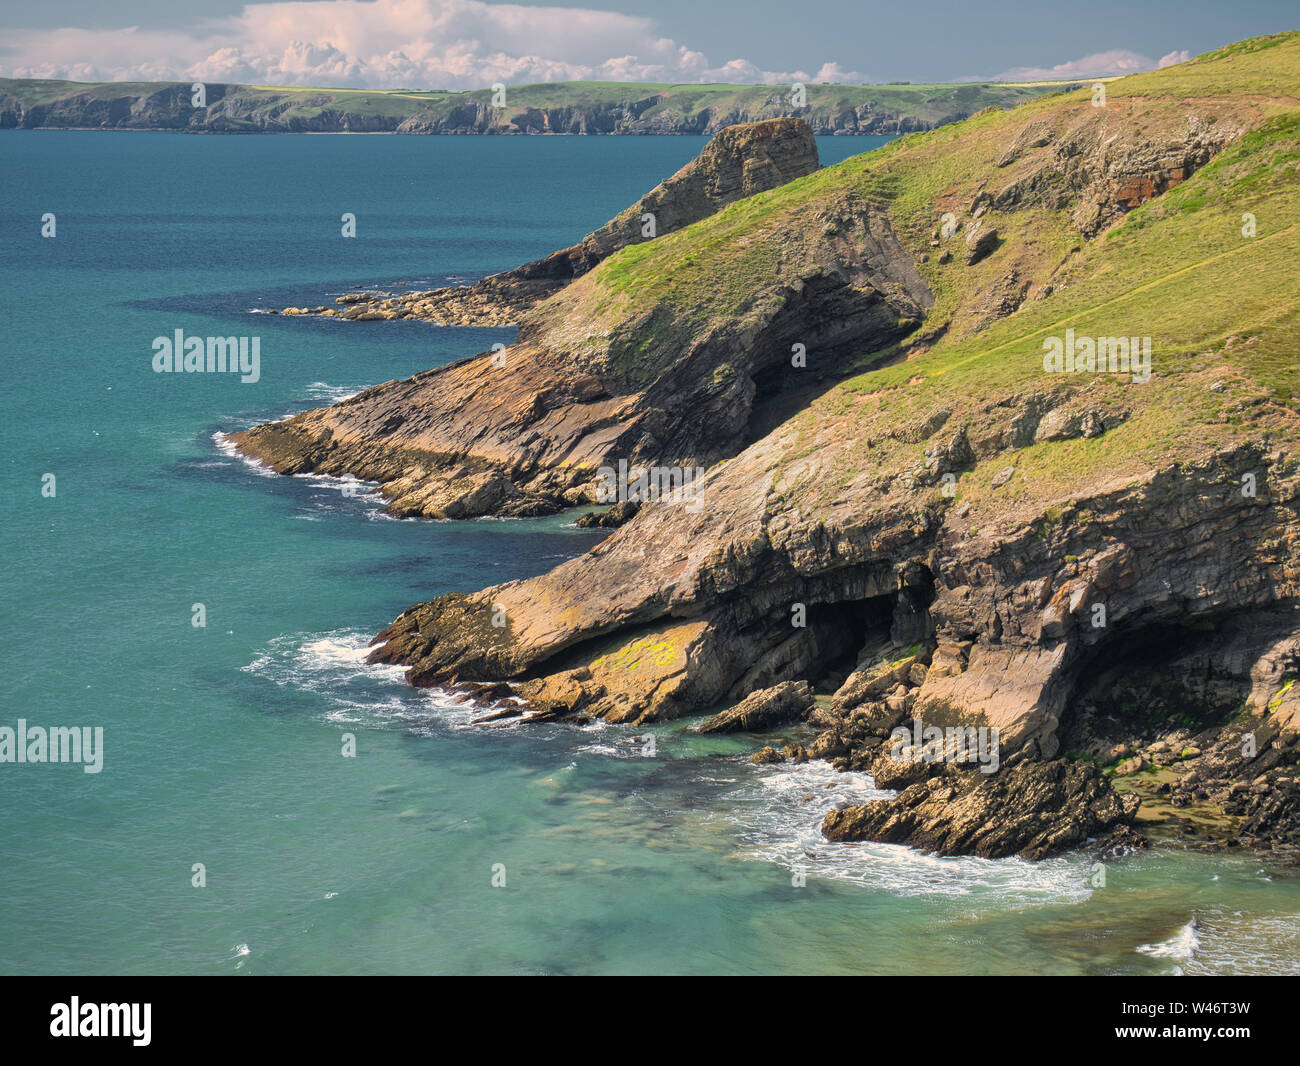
pixel 1034 809
pixel 1149 570
pixel 827 547
pixel 1105 161
pixel 739 162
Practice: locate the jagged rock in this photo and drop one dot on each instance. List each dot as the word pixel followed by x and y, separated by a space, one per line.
pixel 1003 298
pixel 832 515
pixel 1032 810
pixel 1119 842
pixel 788 702
pixel 567 400
pixel 890 772
pixel 740 161
pixel 875 680
pixel 1108 164
pixel 1063 423
pixel 981 239
pixel 477 494
pixel 950 455
pixel 1034 135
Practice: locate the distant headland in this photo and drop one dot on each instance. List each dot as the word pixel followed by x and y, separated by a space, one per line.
pixel 555 107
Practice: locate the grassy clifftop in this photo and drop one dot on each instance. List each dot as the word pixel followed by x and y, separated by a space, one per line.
pixel 1127 219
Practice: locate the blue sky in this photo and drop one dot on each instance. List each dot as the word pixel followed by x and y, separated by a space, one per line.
pixel 471 43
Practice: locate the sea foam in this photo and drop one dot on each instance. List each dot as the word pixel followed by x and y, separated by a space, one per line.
pixel 780 810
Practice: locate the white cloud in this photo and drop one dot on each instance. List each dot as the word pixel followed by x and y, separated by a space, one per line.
pixel 453 44
pixel 1115 61
pixel 830 74
pixel 1180 56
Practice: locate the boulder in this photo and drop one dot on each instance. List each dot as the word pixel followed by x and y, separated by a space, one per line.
pixel 981 239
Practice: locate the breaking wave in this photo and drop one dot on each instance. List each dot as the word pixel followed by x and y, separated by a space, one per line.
pixel 779 815
pixel 333 666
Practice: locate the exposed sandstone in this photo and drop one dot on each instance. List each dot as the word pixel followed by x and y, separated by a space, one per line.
pixel 1106 161
pixel 1004 551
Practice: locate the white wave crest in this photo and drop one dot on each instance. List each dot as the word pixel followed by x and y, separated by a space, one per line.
pixel 333 666
pixel 227 448
pixel 780 814
pixel 1182 945
pixel 319 390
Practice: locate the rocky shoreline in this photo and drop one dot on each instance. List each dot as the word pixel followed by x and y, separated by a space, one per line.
pixel 921 526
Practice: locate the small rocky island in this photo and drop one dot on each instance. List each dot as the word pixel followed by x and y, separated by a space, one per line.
pixel 912 518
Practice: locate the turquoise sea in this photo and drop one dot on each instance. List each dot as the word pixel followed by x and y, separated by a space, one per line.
pixel 222 743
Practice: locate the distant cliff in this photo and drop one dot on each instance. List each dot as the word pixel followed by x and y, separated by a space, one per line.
pixel 562 107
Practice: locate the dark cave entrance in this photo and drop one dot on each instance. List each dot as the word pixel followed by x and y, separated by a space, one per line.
pixel 1145 682
pixel 858 630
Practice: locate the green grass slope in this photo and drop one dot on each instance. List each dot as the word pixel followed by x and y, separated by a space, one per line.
pixel 1221 308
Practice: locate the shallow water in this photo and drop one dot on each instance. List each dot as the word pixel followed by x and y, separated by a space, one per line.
pixel 223 743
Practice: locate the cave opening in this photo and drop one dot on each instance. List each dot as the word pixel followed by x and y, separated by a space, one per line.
pixel 1141 683
pixel 856 631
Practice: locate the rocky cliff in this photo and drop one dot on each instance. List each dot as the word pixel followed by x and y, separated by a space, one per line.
pixel 600 376
pixel 915 500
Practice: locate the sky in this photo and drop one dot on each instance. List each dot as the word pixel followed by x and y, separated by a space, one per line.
pixel 464 44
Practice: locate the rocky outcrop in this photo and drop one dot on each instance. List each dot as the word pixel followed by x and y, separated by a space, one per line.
pixel 611 519
pixel 654 386
pixel 781 704
pixel 961 537
pixel 1103 162
pixel 1033 810
pixel 980 241
pixel 739 162
pixel 1006 621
